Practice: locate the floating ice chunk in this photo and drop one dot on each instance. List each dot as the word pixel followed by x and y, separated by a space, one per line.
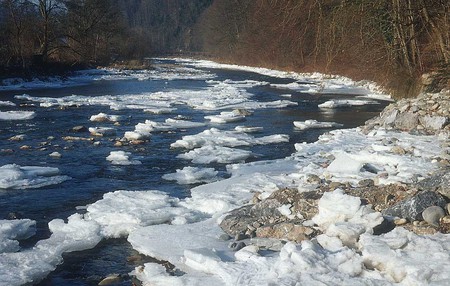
pixel 215 136
pixel 343 163
pixel 308 124
pixel 216 154
pixel 121 158
pixel 169 124
pixel 31 265
pixel 103 117
pixel 17 115
pixel 192 175
pixel 248 129
pixel 13 176
pixel 7 103
pixel 13 230
pixel 102 131
pixel 225 117
pixel 134 135
pixel 346 103
pixel 121 212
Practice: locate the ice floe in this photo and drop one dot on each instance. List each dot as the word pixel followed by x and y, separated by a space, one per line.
pixel 7 103
pixel 11 231
pixel 122 158
pixel 17 115
pixel 311 123
pixel 13 176
pixel 338 103
pixel 225 138
pixel 103 117
pixel 192 175
pixel 225 117
pixel 216 154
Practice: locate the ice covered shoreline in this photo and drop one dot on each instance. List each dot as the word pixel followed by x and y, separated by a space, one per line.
pixel 186 232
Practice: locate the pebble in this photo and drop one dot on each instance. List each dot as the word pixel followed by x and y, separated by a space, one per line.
pixel 433 214
pixel 400 221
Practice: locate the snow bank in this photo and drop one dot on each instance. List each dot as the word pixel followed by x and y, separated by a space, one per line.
pixel 13 176
pixel 192 175
pixel 17 115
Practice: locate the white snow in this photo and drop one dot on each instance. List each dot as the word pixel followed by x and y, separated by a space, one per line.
pixel 122 158
pixel 248 129
pixel 17 115
pixel 311 123
pixel 192 175
pixel 13 176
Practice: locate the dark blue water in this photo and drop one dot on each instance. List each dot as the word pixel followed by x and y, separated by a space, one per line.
pixel 92 175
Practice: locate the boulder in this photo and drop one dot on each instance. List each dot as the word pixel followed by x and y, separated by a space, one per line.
pixel 406 121
pixel 413 207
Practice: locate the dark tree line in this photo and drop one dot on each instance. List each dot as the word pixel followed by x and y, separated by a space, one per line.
pixel 391 41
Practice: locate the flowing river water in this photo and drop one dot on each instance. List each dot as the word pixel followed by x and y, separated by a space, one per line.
pixel 91 175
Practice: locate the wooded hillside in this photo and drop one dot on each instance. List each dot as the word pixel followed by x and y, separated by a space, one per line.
pixel 391 41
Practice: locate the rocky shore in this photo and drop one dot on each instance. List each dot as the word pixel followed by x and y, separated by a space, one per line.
pixel 421 207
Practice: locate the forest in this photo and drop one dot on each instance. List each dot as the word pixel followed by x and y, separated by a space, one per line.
pixel 393 42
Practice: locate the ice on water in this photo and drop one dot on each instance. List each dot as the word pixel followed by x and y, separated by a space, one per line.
pixel 13 176
pixel 311 123
pixel 185 232
pixel 17 115
pixel 192 175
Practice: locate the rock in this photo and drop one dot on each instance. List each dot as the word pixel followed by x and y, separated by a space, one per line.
pixel 406 121
pixel 236 246
pixel 398 150
pixel 433 122
pixel 400 221
pixel 288 231
pixel 444 225
pixel 439 182
pixel 80 129
pixel 224 237
pixel 313 179
pixel 366 183
pixel 433 214
pixel 413 207
pixel 113 278
pixel 240 236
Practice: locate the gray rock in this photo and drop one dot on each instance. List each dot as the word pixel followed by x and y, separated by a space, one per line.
pixel 406 121
pixel 224 237
pixel 80 129
pixel 439 182
pixel 433 122
pixel 240 236
pixel 413 207
pixel 433 214
pixel 239 246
